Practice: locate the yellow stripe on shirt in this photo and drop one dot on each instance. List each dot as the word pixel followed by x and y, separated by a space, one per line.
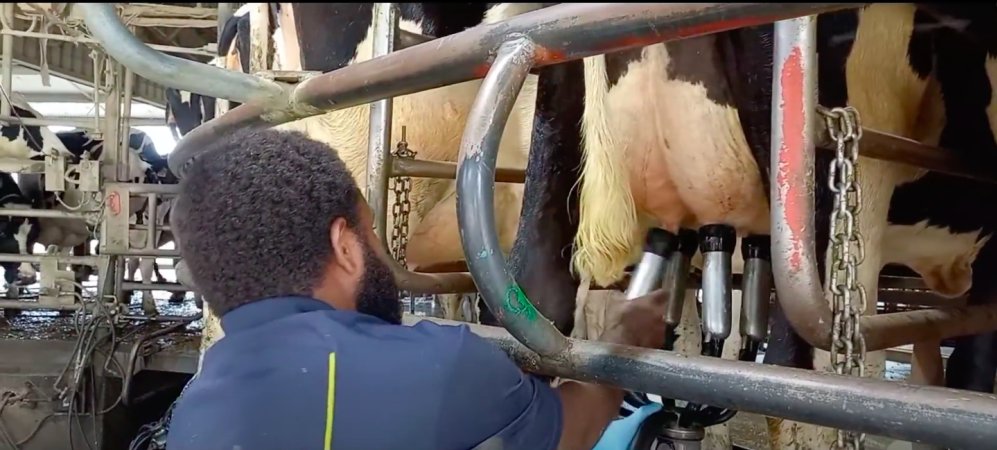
pixel 330 402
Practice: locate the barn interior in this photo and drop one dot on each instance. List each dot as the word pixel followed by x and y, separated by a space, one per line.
pixel 96 348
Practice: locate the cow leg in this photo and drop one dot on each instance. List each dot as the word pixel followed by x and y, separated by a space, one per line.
pixel 450 304
pixel 10 276
pixel 148 301
pixel 973 363
pixel 131 266
pixel 13 290
pixel 541 254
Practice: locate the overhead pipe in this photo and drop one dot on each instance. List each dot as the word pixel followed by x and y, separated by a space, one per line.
pixel 103 23
pixel 935 415
pixel 563 32
pixel 794 259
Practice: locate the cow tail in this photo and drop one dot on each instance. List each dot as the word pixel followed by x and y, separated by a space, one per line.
pixel 608 217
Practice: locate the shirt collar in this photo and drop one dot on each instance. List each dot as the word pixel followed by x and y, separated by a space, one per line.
pixel 268 310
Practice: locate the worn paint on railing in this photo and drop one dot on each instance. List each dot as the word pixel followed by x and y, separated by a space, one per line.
pixel 791 158
pixel 517 304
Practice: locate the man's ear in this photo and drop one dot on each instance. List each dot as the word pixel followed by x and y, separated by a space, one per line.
pixel 347 251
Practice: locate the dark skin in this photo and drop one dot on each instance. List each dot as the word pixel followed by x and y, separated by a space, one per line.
pixel 587 407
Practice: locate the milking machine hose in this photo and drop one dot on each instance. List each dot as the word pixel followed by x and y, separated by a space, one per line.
pixel 126 382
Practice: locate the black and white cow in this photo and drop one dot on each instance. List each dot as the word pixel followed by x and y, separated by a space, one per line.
pixel 28 141
pixel 17 236
pixel 146 165
pixel 187 110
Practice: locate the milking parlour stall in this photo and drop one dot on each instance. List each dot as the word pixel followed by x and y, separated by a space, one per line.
pixel 810 183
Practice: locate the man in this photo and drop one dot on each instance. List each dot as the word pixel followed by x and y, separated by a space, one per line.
pixel 280 242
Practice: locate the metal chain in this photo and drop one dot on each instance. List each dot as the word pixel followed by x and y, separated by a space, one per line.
pixel 400 209
pixel 401 186
pixel 848 294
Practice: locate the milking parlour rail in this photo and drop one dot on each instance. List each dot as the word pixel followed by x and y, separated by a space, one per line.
pixel 503 54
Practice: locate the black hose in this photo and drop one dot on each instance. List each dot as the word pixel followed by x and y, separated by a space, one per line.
pixel 126 382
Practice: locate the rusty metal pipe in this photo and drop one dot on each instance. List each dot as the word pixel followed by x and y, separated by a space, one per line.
pixel 889 147
pixel 884 331
pixel 555 31
pixel 476 202
pixel 562 32
pixel 405 167
pixel 942 416
pixel 431 283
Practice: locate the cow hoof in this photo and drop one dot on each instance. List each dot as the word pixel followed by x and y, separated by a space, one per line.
pixel 13 292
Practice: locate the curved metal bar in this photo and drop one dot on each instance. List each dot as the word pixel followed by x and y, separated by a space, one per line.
pixel 794 261
pixel 476 206
pixel 204 79
pixel 564 32
pixel 941 416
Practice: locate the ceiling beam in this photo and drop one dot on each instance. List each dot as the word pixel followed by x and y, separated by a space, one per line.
pixel 54 97
pixel 86 121
pixel 74 64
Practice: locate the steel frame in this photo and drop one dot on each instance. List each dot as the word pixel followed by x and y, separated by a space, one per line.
pixel 57 289
pixel 504 53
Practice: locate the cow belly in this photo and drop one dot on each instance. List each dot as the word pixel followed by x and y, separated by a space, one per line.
pixel 62 233
pixel 688 159
pixel 434 124
pixel 683 157
pixel 16 148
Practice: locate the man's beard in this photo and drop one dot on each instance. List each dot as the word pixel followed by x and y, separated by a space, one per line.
pixel 378 294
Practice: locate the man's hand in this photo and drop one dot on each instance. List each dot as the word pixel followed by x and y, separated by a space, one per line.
pixel 639 322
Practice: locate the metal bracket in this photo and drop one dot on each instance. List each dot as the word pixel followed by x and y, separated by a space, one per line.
pixel 89 172
pixel 55 173
pixel 55 282
pixel 114 232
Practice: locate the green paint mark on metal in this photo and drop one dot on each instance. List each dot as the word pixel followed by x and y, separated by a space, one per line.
pixel 517 304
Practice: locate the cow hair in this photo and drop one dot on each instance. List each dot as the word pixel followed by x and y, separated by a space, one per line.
pixel 253 215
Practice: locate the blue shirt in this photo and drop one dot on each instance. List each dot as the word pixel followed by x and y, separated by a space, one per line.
pixel 293 373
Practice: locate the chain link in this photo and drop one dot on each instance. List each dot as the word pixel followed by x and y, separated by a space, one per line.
pixel 401 186
pixel 848 294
